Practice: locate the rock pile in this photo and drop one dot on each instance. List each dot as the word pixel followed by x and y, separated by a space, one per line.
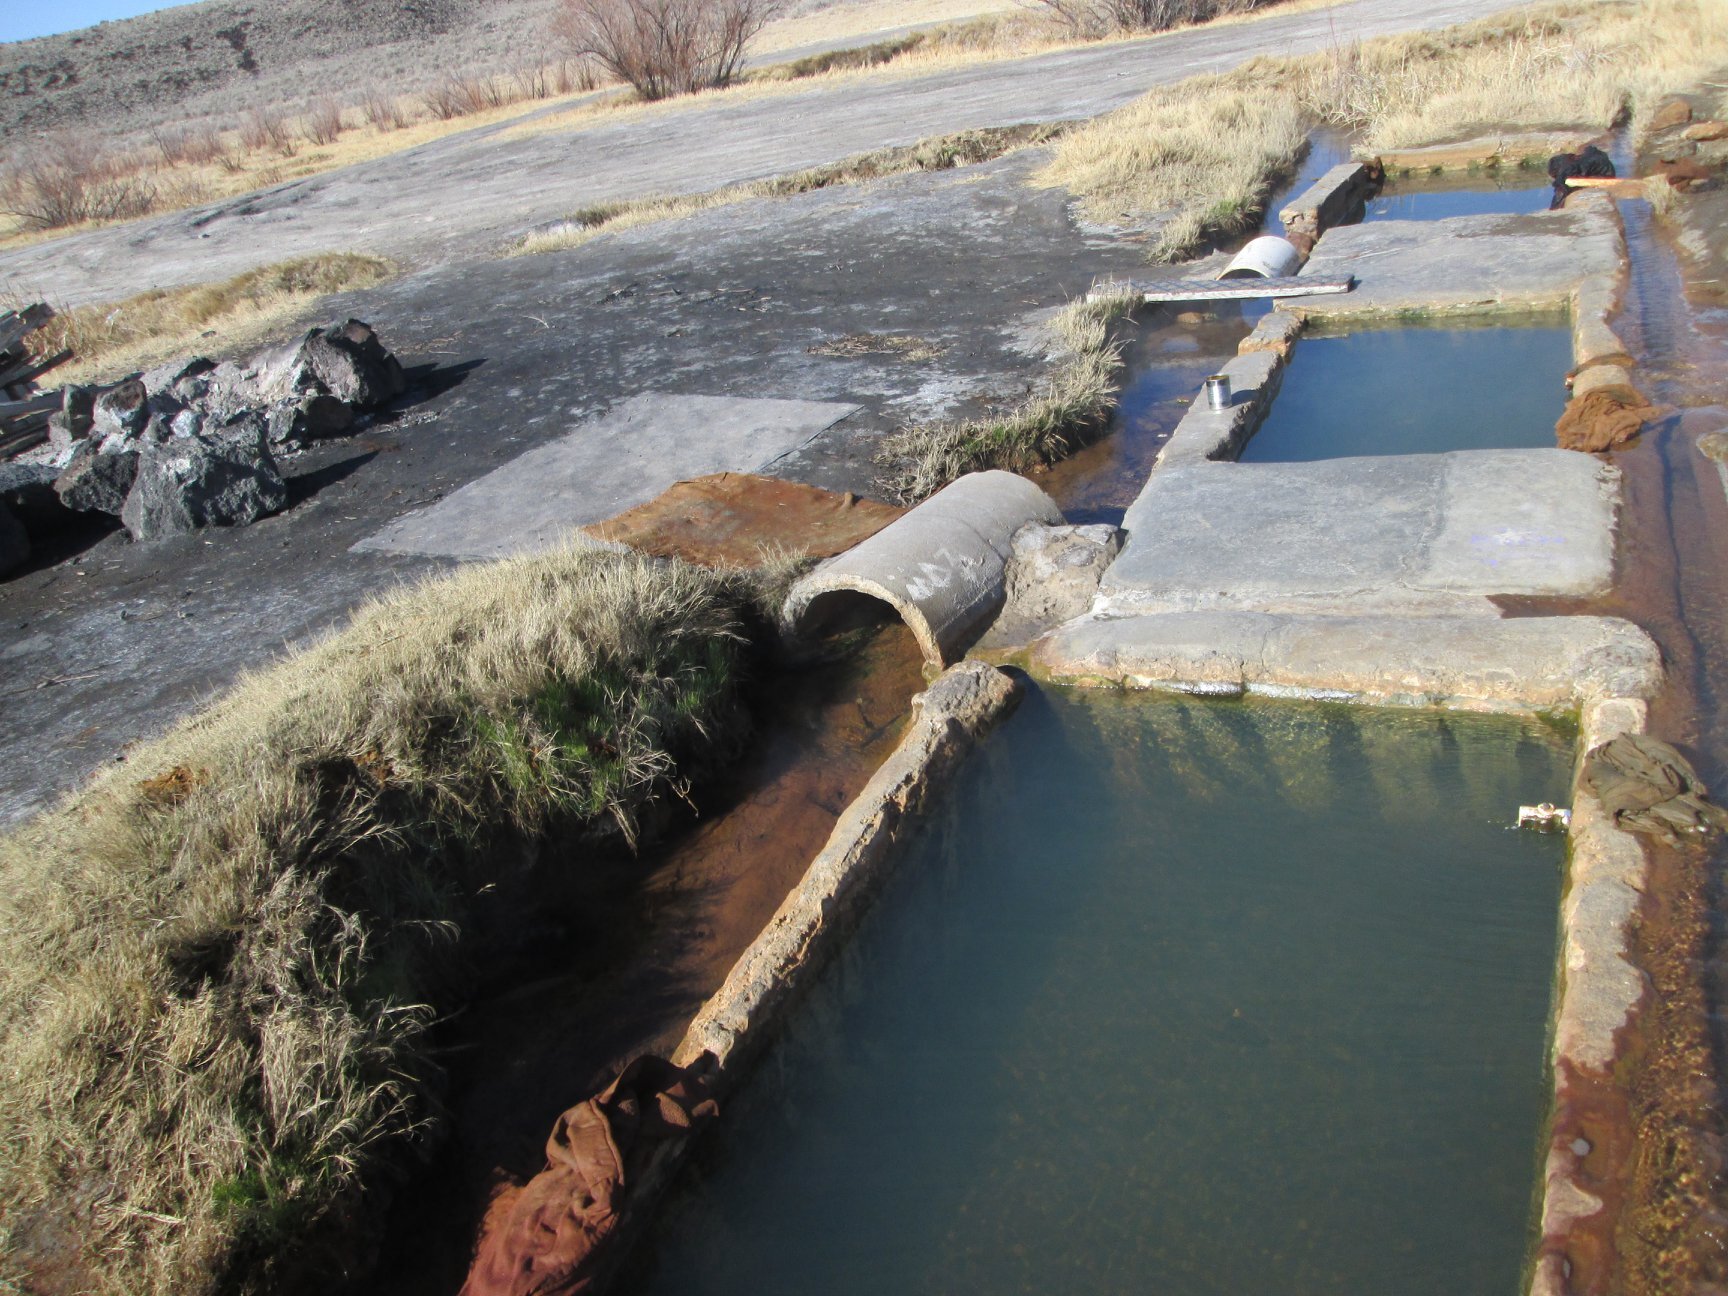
pixel 196 443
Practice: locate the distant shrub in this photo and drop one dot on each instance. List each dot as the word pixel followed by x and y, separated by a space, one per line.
pixel 266 128
pixel 65 181
pixel 383 112
pixel 663 47
pixel 324 121
pixel 572 74
pixel 1097 17
pixel 194 146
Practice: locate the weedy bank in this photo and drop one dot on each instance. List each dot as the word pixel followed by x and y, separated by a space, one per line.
pixel 113 339
pixel 219 963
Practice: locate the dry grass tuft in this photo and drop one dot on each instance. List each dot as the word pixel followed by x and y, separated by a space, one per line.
pixel 1207 152
pixel 1565 65
pixel 1202 158
pixel 219 962
pixel 1064 409
pixel 938 154
pixel 113 339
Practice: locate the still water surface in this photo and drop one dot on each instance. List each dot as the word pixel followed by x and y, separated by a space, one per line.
pixel 1171 997
pixel 1417 391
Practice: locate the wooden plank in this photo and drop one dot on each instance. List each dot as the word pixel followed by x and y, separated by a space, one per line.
pixel 46 402
pixel 27 371
pixel 15 325
pixel 1202 290
pixel 17 443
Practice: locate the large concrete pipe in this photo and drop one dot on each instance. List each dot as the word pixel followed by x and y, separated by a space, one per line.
pixel 942 566
pixel 1267 257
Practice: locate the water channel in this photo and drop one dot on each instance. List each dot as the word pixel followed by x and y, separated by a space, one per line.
pixel 1173 996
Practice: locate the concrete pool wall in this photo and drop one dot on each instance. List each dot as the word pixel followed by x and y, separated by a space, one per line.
pixel 1381 638
pixel 1382 632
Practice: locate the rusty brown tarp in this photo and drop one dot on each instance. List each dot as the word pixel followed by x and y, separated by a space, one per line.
pixel 729 518
pixel 1648 787
pixel 551 1236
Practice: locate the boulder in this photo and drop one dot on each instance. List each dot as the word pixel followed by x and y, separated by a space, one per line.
pixel 122 411
pixel 312 418
pixel 77 407
pixel 1052 578
pixel 182 380
pixel 192 482
pixel 244 425
pixel 346 361
pixel 14 542
pixel 1706 131
pixel 62 440
pixel 98 483
pixel 1670 113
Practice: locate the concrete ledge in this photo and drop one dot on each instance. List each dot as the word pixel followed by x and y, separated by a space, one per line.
pixel 1599 991
pixel 1276 331
pixel 1205 433
pixel 1465 265
pixel 947 720
pixel 1467 663
pixel 942 567
pixel 1488 152
pixel 1594 340
pixel 1329 201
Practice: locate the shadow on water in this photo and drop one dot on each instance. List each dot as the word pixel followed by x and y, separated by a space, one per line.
pixel 1510 192
pixel 1168 996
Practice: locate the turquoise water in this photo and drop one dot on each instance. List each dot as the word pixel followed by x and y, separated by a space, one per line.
pixel 1417 391
pixel 1171 997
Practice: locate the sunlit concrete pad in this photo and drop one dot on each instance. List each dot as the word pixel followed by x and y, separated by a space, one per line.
pixel 1411 532
pixel 625 457
pixel 1465 264
pixel 1534 663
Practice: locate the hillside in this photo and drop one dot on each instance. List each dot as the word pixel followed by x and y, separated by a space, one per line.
pixel 220 57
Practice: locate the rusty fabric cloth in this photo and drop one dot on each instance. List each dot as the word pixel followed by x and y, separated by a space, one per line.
pixel 550 1236
pixel 1648 787
pixel 1601 420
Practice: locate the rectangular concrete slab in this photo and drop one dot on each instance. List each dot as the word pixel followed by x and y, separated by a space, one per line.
pixel 1473 662
pixel 1466 264
pixel 1413 531
pixel 614 462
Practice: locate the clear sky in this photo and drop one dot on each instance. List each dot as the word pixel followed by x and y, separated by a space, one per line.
pixel 21 19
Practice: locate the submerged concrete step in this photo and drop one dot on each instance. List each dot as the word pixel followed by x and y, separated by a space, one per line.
pixel 1473 662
